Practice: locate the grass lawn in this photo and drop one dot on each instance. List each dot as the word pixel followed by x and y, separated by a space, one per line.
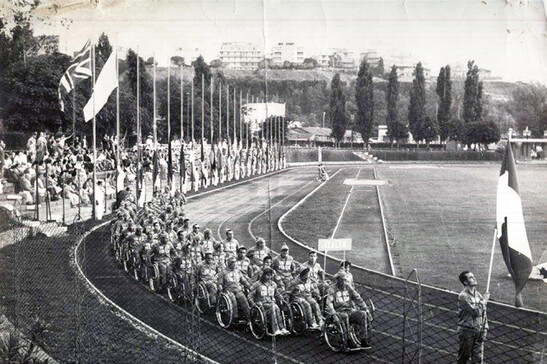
pixel 440 219
pixel 443 219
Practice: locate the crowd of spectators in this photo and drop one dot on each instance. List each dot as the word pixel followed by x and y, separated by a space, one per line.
pixel 61 165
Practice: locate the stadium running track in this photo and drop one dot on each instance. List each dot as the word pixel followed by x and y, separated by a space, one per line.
pixel 245 208
pixel 253 209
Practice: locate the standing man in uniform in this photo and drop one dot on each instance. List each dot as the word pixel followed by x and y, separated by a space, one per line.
pixel 472 323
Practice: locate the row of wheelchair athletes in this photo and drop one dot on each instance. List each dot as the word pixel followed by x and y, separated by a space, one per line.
pixel 248 277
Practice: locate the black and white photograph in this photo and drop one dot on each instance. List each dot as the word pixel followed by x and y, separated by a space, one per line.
pixel 273 181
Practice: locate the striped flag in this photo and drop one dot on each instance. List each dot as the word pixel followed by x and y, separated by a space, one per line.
pixel 510 225
pixel 80 69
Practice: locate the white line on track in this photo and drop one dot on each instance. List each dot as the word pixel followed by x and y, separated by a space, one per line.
pixel 384 226
pixel 271 207
pixel 344 208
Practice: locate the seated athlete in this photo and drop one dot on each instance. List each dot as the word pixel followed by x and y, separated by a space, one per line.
pixel 306 293
pixel 207 273
pixel 232 280
pixel 243 263
pixel 285 266
pixel 344 302
pixel 264 293
pixel 230 244
pixel 259 252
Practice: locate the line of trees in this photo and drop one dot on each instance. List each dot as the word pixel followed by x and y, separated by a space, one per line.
pixel 424 124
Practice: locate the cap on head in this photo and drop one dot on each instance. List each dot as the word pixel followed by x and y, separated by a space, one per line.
pixel 241 249
pixel 284 247
pixel 260 240
pixel 304 271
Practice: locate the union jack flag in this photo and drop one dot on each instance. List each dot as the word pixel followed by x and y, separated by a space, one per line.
pixel 80 69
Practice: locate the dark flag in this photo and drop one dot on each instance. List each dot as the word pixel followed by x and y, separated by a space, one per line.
pixel 510 226
pixel 80 69
pixel 169 164
pixel 155 170
pixel 182 166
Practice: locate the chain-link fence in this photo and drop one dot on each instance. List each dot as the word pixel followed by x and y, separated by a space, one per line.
pixel 95 311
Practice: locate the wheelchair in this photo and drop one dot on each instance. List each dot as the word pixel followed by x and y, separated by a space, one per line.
pixel 157 282
pixel 227 311
pixel 202 299
pixel 261 324
pixel 342 336
pixel 180 289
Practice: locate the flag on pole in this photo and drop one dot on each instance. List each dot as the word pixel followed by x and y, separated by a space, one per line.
pixel 510 225
pixel 170 166
pixel 106 83
pixel 80 69
pixel 182 167
pixel 155 171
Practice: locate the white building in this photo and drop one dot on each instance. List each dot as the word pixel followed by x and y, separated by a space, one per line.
pixel 240 56
pixel 287 52
pixel 338 58
pixel 406 73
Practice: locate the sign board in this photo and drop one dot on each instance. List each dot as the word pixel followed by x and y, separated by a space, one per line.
pixel 334 244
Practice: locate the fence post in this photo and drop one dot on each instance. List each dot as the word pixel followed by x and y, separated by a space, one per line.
pixel 412 302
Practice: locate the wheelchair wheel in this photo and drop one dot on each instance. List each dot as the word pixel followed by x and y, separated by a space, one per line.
pixel 126 257
pixel 258 323
pixel 171 288
pixel 135 273
pixel 298 319
pixel 153 280
pixel 286 314
pixel 334 335
pixel 203 303
pixel 224 311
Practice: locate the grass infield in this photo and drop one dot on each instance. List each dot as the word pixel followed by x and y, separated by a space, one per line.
pixel 440 220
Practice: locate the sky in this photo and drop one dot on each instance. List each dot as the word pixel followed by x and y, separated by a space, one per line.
pixel 508 37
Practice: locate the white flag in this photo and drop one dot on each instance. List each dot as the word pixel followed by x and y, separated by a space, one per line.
pixel 106 83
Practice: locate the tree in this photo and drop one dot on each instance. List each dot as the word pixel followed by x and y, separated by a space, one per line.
pixel 444 91
pixel 416 108
pixel 23 110
pixel 146 103
pixel 472 99
pixel 364 99
pixel 396 130
pixel 177 61
pixel 528 107
pixel 337 109
pixel 310 63
pixel 201 68
pixel 216 63
pixel 483 132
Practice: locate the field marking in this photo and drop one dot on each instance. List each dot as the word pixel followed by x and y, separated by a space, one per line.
pixel 271 207
pixel 364 182
pixel 344 209
pixel 386 237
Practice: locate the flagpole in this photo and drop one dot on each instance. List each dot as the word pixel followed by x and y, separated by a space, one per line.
pixel 246 123
pixel 154 105
pixel 228 114
pixel 169 101
pixel 211 106
pixel 94 210
pixel 220 111
pixel 117 120
pixel 202 110
pixel 491 259
pixel 138 182
pixel 235 113
pixel 181 104
pixel 240 119
pixel 192 106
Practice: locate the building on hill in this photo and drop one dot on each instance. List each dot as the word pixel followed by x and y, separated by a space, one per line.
pixel 318 136
pixel 287 52
pixel 337 58
pixel 240 56
pixel 406 73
